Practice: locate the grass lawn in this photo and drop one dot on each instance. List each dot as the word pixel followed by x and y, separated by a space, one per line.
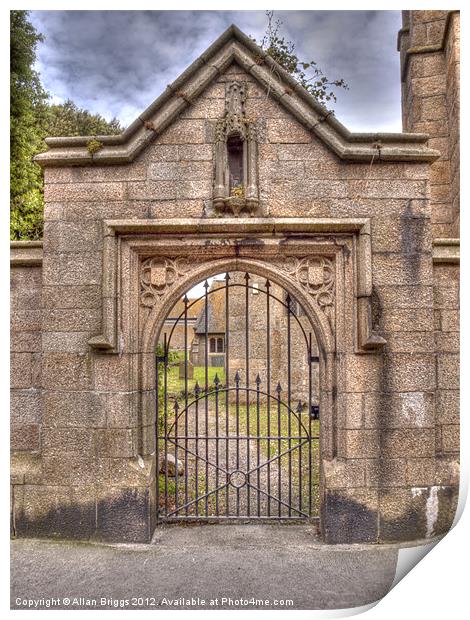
pixel 176 385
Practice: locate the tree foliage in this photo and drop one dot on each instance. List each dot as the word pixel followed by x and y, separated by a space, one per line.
pixel 32 118
pixel 66 119
pixel 27 129
pixel 306 73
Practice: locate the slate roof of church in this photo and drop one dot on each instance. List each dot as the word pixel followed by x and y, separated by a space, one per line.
pixel 216 310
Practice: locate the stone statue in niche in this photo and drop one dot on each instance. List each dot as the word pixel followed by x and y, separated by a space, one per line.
pixel 236 157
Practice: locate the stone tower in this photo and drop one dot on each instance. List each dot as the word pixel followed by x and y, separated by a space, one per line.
pixel 429 46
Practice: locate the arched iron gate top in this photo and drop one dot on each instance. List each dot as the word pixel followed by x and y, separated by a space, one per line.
pixel 237 451
pixel 287 304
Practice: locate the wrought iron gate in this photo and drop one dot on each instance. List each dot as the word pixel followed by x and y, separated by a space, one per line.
pixel 235 441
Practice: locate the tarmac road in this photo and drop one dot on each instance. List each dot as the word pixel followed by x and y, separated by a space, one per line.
pixel 242 566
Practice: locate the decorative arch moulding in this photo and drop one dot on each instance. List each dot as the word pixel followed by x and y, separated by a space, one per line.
pixel 234 46
pixel 154 256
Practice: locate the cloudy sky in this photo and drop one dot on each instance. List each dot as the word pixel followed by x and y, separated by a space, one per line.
pixel 117 62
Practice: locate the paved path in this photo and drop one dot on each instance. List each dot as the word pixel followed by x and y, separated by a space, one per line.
pixel 264 562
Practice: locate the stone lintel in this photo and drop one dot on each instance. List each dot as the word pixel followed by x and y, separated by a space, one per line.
pixel 294 229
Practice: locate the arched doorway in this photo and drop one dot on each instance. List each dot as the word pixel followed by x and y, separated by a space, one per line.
pixel 238 395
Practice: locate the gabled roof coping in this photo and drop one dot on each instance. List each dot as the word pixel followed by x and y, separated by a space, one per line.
pixel 234 45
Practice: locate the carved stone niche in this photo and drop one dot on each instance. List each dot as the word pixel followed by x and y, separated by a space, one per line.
pixel 236 157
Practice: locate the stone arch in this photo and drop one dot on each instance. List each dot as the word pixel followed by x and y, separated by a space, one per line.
pixel 151 329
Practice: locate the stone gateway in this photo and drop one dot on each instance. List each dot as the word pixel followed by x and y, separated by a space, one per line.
pixel 235 168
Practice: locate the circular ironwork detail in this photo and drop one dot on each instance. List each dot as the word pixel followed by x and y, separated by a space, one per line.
pixel 238 479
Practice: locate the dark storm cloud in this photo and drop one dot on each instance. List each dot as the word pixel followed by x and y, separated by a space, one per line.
pixel 117 62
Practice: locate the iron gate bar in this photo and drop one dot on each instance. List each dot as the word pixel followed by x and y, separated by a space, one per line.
pixel 268 363
pixel 210 393
pixel 227 375
pixel 236 284
pixel 247 383
pixel 279 470
pixel 258 455
pixel 216 382
pixel 237 478
pixel 310 419
pixel 237 414
pixel 196 482
pixel 186 430
pixel 299 411
pixel 165 388
pixel 206 378
pixel 289 427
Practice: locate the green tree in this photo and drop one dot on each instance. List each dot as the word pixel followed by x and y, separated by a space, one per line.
pixel 307 73
pixel 27 129
pixel 32 118
pixel 66 119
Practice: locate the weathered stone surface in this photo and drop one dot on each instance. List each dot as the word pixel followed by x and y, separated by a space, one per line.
pixel 21 370
pixel 125 515
pixel 358 443
pixel 66 371
pixel 351 411
pixel 77 409
pixel 25 437
pixel 184 131
pixel 85 192
pixel 111 373
pixel 409 442
pixel 447 406
pixel 399 410
pixel 402 514
pixel 71 320
pixel 54 511
pixel 122 408
pixel 26 406
pixel 360 373
pixel 83 297
pixel 72 237
pixel 385 472
pixel 451 438
pixel 447 378
pixel 68 441
pixel 72 469
pixel 116 442
pixel 410 342
pixel 409 372
pixel 25 341
pixel 421 471
pixel 80 268
pixel 350 516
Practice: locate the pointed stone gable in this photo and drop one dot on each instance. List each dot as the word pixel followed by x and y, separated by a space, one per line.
pixel 268 78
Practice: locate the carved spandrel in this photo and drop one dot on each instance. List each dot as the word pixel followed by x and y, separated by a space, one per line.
pixel 159 274
pixel 315 274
